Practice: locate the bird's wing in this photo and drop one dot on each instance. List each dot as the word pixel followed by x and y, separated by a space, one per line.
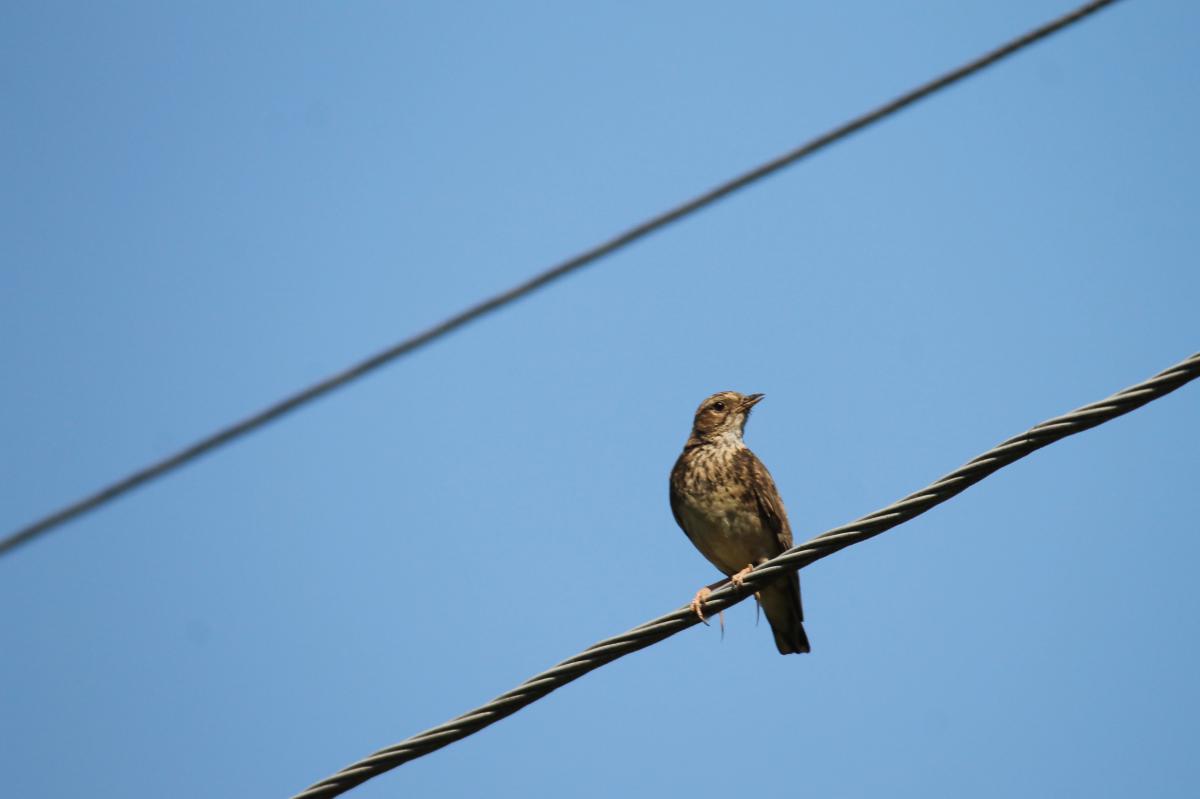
pixel 770 506
pixel 676 499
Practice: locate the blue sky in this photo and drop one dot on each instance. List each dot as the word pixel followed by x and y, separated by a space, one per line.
pixel 209 206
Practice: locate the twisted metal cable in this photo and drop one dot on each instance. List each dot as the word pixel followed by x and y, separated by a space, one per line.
pixel 304 396
pixel 727 595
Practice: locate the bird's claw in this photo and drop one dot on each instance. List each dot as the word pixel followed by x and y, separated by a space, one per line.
pixel 697 604
pixel 739 579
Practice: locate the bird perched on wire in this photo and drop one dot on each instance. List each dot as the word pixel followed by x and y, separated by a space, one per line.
pixel 727 504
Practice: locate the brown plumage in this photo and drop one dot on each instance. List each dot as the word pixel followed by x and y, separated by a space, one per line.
pixel 727 504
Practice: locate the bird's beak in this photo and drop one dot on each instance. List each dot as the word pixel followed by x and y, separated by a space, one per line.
pixel 752 400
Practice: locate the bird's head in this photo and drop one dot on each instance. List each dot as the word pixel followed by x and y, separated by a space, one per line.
pixel 723 415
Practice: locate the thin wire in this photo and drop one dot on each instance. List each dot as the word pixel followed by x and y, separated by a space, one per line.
pixel 726 595
pixel 288 404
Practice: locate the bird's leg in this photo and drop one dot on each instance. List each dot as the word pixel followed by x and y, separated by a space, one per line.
pixel 740 578
pixel 698 604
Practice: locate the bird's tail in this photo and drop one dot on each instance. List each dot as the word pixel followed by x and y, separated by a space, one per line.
pixel 785 614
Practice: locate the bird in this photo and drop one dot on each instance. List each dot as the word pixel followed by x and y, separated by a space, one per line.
pixel 724 499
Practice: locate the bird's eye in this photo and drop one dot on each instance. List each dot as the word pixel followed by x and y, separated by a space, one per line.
pixel 718 406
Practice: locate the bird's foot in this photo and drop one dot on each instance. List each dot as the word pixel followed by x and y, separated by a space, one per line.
pixel 698 604
pixel 739 579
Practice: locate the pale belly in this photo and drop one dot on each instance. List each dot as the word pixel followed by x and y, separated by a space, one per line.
pixel 730 535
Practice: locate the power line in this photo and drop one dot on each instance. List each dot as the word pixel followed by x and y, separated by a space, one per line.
pixel 271 413
pixel 726 596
